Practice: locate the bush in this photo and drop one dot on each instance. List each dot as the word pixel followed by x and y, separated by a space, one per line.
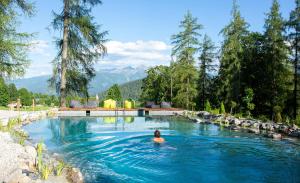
pixel 233 105
pixel 215 111
pixel 222 108
pixel 277 110
pixel 263 118
pixel 58 170
pixel 207 106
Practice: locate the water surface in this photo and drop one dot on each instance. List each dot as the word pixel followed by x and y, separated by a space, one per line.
pixel 109 149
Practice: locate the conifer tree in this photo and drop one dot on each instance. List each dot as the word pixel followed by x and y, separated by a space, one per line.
pixel 294 34
pixel 79 48
pixel 206 58
pixel 276 56
pixel 231 57
pixel 114 93
pixel 13 44
pixel 185 74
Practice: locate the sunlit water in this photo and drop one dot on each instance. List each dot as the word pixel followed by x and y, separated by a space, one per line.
pixel 121 150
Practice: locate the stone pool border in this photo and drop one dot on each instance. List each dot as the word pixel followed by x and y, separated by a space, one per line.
pixel 267 129
pixel 27 171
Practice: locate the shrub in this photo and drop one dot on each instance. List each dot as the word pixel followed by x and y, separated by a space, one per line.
pixel 222 108
pixel 233 105
pixel 277 110
pixel 207 106
pixel 215 111
pixel 59 168
pixel 46 171
pixel 39 149
pixel 263 118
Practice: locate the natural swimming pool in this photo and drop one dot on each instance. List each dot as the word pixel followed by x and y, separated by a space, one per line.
pixel 109 149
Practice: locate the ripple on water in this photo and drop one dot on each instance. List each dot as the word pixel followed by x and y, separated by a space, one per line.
pixel 191 153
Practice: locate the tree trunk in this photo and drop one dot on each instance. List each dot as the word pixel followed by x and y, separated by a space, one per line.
pixel 64 56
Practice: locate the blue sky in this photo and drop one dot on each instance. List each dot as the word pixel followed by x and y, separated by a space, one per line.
pixel 140 30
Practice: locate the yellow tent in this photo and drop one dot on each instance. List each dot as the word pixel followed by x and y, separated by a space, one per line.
pixel 129 104
pixel 110 104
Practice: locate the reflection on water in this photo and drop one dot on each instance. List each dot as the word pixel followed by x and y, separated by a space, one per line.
pixel 120 149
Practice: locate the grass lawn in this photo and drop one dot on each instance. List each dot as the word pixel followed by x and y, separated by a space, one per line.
pixel 28 108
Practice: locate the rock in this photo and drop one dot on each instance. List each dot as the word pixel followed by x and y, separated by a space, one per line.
pixel 75 175
pixel 237 121
pixel 276 136
pixel 256 125
pixel 31 151
pixel 4 121
pixel 295 133
pixel 253 130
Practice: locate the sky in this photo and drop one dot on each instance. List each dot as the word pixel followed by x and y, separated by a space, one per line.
pixel 140 30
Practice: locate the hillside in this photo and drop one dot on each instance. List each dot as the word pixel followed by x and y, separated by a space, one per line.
pixel 102 81
pixel 132 89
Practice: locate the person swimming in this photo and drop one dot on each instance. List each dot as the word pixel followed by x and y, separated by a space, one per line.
pixel 157 137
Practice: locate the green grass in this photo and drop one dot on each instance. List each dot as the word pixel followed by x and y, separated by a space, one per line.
pixel 28 108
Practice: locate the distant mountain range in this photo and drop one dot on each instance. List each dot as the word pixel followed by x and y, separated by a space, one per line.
pixel 103 80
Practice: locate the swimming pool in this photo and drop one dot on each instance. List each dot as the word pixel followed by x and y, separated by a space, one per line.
pixel 110 149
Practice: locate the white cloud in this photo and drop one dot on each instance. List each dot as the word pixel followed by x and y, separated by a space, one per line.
pixel 39 47
pixel 138 53
pixel 120 54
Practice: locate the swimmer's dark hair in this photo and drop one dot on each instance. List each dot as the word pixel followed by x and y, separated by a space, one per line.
pixel 157 134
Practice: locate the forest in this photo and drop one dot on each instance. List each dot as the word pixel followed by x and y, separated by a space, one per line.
pixel 252 74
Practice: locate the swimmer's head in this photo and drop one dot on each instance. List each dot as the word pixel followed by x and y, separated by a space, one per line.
pixel 157 134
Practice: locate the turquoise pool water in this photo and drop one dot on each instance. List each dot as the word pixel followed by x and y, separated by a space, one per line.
pixel 109 149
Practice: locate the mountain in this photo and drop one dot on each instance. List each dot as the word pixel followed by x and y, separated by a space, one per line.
pixel 103 80
pixel 130 90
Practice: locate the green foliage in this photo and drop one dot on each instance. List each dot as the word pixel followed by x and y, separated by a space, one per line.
pixel 25 96
pixel 247 99
pixel 13 92
pixel 206 58
pixel 276 54
pixel 293 38
pixel 59 168
pixel 4 95
pixel 232 106
pixel 277 111
pixel 207 106
pixel 45 171
pixel 81 45
pixel 157 85
pixel 39 149
pixel 185 46
pixel 114 93
pixel 231 57
pixel 215 111
pixel 263 118
pixel 13 44
pixel 222 108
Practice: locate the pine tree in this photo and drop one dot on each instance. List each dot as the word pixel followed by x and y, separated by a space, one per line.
pixel 79 48
pixel 114 93
pixel 13 44
pixel 206 58
pixel 294 27
pixel 277 59
pixel 231 57
pixel 185 74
